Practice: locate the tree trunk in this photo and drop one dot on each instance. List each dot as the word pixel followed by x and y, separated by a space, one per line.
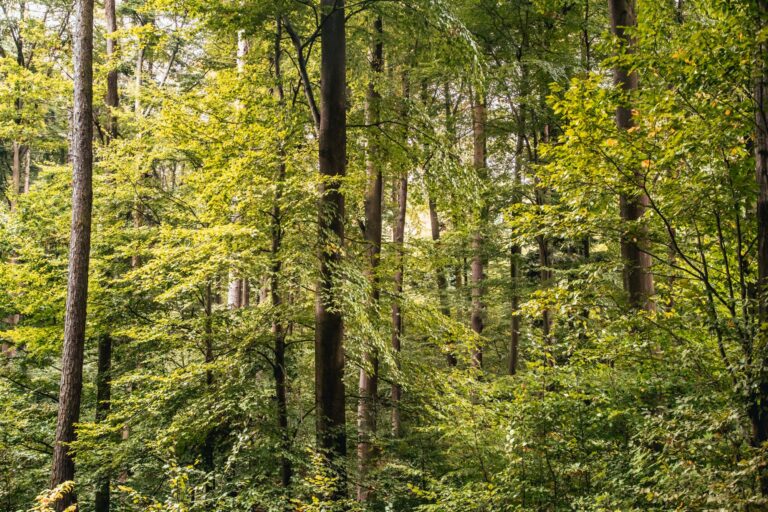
pixel 63 467
pixel 398 238
pixel 477 243
pixel 103 377
pixel 112 99
pixel 329 323
pixel 278 328
pixel 638 280
pixel 759 409
pixel 369 378
pixel 103 397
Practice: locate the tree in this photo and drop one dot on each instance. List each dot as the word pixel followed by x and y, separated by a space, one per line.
pixel 63 469
pixel 638 280
pixel 329 322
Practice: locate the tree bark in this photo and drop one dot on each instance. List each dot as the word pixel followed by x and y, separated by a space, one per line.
pixel 102 499
pixel 329 323
pixel 638 280
pixel 477 242
pixel 63 467
pixel 369 378
pixel 398 238
pixel 278 328
pixel 758 410
pixel 103 397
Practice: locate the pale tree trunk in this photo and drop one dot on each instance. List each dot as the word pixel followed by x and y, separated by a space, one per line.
pixel 638 280
pixel 369 378
pixel 477 241
pixel 63 467
pixel 329 323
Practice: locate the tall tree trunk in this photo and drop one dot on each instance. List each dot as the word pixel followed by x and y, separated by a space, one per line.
pixel 398 238
pixel 278 328
pixel 103 397
pixel 369 378
pixel 477 243
pixel 63 467
pixel 103 377
pixel 759 404
pixel 329 323
pixel 638 280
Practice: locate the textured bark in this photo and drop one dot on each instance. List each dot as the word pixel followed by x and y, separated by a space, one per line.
pixel 103 397
pixel 369 378
pixel 278 328
pixel 63 467
pixel 329 323
pixel 398 238
pixel 477 242
pixel 638 280
pixel 112 99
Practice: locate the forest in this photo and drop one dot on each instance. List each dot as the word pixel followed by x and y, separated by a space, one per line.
pixel 383 255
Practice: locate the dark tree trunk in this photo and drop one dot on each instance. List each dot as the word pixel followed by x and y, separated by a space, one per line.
pixel 329 323
pixel 638 280
pixel 278 328
pixel 759 403
pixel 63 467
pixel 478 256
pixel 112 99
pixel 369 378
pixel 103 397
pixel 103 378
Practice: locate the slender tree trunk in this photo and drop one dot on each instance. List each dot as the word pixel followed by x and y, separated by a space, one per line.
pixel 758 411
pixel 638 280
pixel 103 397
pixel 112 98
pixel 329 323
pixel 278 328
pixel 477 243
pixel 398 238
pixel 369 378
pixel 63 467
pixel 103 377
